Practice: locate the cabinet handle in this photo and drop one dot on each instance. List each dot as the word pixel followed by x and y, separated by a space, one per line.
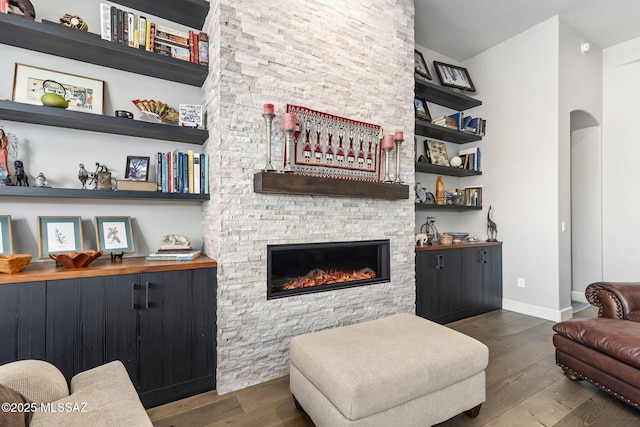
pixel 146 296
pixel 484 257
pixel 133 296
pixel 439 262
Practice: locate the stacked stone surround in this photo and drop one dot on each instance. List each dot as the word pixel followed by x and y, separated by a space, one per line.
pixel 350 59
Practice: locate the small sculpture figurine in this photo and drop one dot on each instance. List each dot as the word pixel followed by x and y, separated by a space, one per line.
pixel 492 228
pixel 115 256
pixel 25 7
pixel 175 241
pixel 83 175
pixel 74 22
pixel 41 180
pixel 21 177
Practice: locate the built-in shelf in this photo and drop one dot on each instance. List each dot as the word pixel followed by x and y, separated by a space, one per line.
pixel 444 96
pixel 425 207
pixel 444 170
pixel 59 117
pixel 87 47
pixel 429 130
pixel 71 193
pixel 191 13
pixel 281 183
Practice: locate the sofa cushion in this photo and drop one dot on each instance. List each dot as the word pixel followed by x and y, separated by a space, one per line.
pixel 13 417
pixel 37 380
pixel 634 315
pixel 377 365
pixel 614 337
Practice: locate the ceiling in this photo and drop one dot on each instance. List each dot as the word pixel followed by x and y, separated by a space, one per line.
pixel 460 29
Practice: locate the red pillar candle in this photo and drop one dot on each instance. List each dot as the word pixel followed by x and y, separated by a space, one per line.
pixel 289 121
pixel 387 141
pixel 399 135
pixel 267 109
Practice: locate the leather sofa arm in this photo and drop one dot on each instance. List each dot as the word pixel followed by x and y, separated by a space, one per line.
pixel 615 300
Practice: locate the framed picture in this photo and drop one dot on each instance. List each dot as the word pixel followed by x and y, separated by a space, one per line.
pixel 6 238
pixel 59 234
pixel 137 168
pixel 454 76
pixel 84 94
pixel 113 234
pixel 421 109
pixel 190 115
pixel 437 153
pixel 420 66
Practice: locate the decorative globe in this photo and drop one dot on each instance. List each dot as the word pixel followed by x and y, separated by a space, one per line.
pixel 455 162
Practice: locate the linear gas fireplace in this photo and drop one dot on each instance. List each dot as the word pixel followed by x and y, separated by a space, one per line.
pixel 316 267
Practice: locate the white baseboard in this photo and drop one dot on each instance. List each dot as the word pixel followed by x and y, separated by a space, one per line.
pixel 578 296
pixel 536 311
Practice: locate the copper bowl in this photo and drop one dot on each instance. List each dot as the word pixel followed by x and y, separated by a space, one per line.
pixel 14 263
pixel 76 259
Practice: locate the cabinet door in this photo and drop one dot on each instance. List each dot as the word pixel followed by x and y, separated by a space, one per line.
pixel 22 321
pixel 427 284
pixel 438 283
pixel 492 276
pixel 90 322
pixel 177 330
pixel 450 283
pixel 473 261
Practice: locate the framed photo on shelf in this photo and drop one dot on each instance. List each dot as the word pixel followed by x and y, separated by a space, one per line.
pixel 420 66
pixel 454 76
pixel 59 234
pixel 6 238
pixel 437 153
pixel 137 168
pixel 84 94
pixel 113 234
pixel 421 109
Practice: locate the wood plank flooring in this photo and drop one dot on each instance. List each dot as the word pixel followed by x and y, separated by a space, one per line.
pixel 524 388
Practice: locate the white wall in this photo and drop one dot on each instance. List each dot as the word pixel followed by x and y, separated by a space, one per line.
pixel 518 84
pixel 621 228
pixel 57 151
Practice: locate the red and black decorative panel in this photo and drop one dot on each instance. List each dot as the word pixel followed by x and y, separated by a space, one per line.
pixel 329 146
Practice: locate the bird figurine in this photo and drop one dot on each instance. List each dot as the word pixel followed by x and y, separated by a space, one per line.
pixel 83 175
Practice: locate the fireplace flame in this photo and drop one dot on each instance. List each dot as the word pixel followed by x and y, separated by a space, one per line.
pixel 318 277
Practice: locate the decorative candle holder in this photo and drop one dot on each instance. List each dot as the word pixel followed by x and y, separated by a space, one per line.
pixel 288 143
pixel 397 179
pixel 268 119
pixel 386 178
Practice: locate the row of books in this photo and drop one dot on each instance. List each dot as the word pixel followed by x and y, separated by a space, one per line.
pixel 458 121
pixel 467 196
pixel 183 172
pixel 136 31
pixel 471 159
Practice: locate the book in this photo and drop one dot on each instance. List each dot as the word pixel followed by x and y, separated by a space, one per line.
pixel 152 37
pixel 196 173
pixel 176 52
pixel 190 171
pixel 174 256
pixel 133 185
pixel 142 32
pixel 105 21
pixel 203 48
pixel 131 29
pixel 161 29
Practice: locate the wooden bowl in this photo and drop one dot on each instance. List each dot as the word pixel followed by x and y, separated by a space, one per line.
pixel 14 263
pixel 76 259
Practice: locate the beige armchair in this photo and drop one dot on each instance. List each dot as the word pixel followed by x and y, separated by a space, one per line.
pixel 102 396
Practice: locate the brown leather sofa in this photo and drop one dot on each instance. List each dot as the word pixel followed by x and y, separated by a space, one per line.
pixel 605 350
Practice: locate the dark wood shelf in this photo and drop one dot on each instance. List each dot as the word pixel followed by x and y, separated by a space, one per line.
pixel 72 193
pixel 59 117
pixel 281 183
pixel 444 170
pixel 87 47
pixel 425 207
pixel 444 96
pixel 191 13
pixel 429 130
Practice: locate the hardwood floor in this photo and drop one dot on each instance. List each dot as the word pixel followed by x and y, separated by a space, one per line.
pixel 524 388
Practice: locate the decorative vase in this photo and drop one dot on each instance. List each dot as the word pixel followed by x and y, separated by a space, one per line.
pixel 439 191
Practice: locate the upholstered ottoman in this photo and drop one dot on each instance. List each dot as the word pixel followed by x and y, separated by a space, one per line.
pixel 400 370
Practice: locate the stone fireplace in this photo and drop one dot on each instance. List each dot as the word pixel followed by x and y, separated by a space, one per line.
pixel 303 268
pixel 349 59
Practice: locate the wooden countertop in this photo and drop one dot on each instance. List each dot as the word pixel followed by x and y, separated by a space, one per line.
pixel 456 246
pixel 47 270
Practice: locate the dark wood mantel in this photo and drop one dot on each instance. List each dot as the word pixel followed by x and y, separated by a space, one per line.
pixel 281 183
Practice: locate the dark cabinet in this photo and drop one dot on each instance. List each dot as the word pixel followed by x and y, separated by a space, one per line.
pixel 22 321
pixel 161 325
pixel 458 282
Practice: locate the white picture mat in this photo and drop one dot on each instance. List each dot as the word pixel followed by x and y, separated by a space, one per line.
pixel 61 236
pixel 115 235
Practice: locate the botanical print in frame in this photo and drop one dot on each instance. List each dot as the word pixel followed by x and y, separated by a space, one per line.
pixel 6 238
pixel 59 234
pixel 113 234
pixel 137 168
pixel 85 94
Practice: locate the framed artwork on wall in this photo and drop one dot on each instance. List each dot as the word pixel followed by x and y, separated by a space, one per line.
pixel 85 94
pixel 137 168
pixel 420 66
pixel 113 234
pixel 437 152
pixel 454 76
pixel 59 234
pixel 421 109
pixel 6 238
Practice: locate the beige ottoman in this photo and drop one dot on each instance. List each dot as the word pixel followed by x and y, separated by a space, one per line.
pixel 400 370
